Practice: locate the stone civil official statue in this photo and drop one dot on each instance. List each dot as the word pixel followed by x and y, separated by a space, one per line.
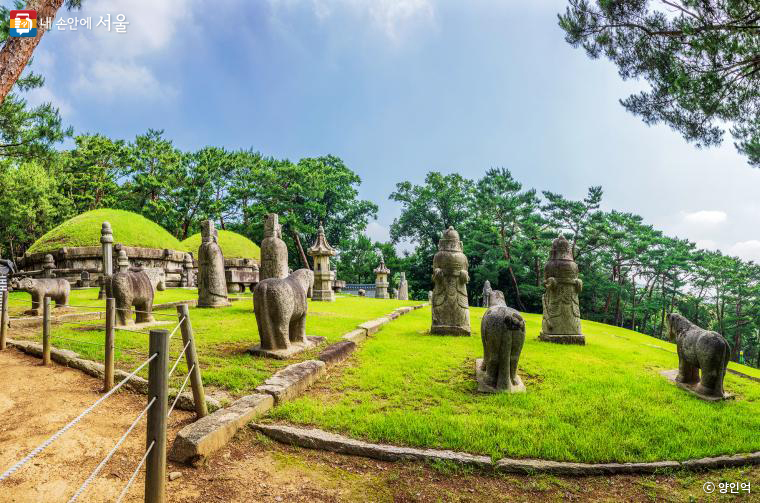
pixel 562 316
pixel 212 285
pixel 451 312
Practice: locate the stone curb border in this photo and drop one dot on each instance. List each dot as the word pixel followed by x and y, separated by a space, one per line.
pixel 197 441
pixel 313 438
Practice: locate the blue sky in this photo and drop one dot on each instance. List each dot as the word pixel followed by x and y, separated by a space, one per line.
pixel 396 89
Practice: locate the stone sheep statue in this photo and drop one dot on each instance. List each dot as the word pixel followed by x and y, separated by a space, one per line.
pixel 699 349
pixel 503 332
pixel 280 308
pixel 132 288
pixel 58 289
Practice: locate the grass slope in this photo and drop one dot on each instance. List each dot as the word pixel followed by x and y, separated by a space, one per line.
pixel 222 335
pixel 233 245
pixel 602 402
pixel 129 229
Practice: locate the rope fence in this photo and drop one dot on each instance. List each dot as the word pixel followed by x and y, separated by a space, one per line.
pixel 154 457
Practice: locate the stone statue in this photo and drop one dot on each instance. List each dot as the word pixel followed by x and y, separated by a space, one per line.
pixel 451 312
pixel 703 350
pixel 361 292
pixel 381 280
pixel 430 296
pixel 503 332
pixel 84 279
pixel 129 289
pixel 188 273
pixel 212 285
pixel 280 307
pixel 562 317
pixel 48 267
pixel 122 261
pixel 274 251
pixel 487 293
pixel 403 288
pixel 58 289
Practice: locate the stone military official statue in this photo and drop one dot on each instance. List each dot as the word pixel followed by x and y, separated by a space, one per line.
pixel 451 311
pixel 562 316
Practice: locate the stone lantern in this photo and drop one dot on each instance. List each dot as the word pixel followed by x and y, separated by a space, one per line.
pixel 381 280
pixel 323 276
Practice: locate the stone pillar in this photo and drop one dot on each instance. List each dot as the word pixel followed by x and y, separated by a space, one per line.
pixel 106 242
pixel 48 267
pixel 188 272
pixel 403 288
pixel 212 284
pixel 274 251
pixel 323 276
pixel 561 322
pixel 451 312
pixel 381 280
pixel 122 261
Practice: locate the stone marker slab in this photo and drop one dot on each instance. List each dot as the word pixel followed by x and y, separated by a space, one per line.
pixel 563 339
pixel 312 341
pixel 356 336
pixel 373 326
pixel 393 315
pixel 336 353
pixel 293 380
pixel 671 375
pixel 197 441
pixel 405 309
pixel 318 439
pixel 484 387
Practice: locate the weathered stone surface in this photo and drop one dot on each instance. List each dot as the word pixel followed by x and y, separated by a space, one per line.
pixel 393 315
pixel 198 440
pixel 311 341
pixel 536 466
pixel 502 331
pixel 293 380
pixel 404 309
pixel 274 251
pixel 561 321
pixel 487 293
pixel 318 439
pixel 174 476
pixel 356 336
pixel 56 289
pixel 403 288
pixel 336 353
pixel 280 307
pixel 722 461
pixel 451 312
pixel 157 277
pixel 381 280
pixel 186 402
pixel 323 276
pixel 699 349
pixel 373 326
pixel 212 284
pixel 693 388
pixel 131 289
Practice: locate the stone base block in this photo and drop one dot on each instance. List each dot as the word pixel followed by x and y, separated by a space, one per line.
pixel 293 380
pixel 484 387
pixel 311 341
pixel 356 336
pixel 671 375
pixel 214 306
pixel 373 326
pixel 336 353
pixel 579 339
pixel 198 440
pixel 323 295
pixel 449 330
pixel 140 326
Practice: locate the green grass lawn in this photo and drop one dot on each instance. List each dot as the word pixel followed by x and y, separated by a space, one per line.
pixel 222 335
pixel 602 402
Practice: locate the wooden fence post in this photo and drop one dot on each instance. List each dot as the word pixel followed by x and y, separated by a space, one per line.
pixel 158 388
pixel 46 330
pixel 4 320
pixel 191 357
pixel 109 344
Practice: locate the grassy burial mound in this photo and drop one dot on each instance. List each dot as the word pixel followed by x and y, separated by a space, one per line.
pixel 602 402
pixel 129 229
pixel 233 245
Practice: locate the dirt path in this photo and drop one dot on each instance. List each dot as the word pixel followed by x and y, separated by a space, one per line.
pixel 35 401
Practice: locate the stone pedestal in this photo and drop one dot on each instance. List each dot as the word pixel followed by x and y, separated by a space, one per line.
pixel 323 276
pixel 671 375
pixel 311 341
pixel 561 321
pixel 381 280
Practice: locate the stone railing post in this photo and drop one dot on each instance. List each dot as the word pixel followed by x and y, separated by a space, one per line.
pixel 106 240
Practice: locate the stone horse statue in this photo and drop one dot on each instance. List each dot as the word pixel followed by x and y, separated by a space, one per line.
pixel 699 349
pixel 503 333
pixel 57 289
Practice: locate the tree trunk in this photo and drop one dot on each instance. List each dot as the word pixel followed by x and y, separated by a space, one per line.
pixel 513 279
pixel 301 253
pixel 17 51
pixel 737 334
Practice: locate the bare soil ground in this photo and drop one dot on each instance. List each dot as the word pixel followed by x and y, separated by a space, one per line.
pixel 35 401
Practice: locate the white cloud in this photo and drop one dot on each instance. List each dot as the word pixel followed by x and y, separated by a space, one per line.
pixel 378 232
pixel 117 79
pixel 706 244
pixel 705 217
pixel 44 94
pixel 393 17
pixel 748 250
